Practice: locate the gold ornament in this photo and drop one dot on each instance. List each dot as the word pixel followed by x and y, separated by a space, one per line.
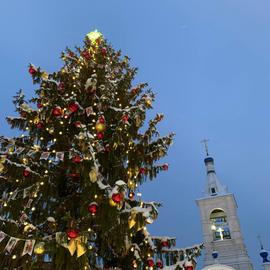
pixel 132 219
pixel 44 75
pixel 148 102
pixel 93 175
pixel 1 167
pixel 2 159
pixel 112 203
pixel 39 248
pixel 131 184
pixel 100 127
pixel 36 120
pixel 75 244
pixel 11 149
pixel 29 228
pixel 51 130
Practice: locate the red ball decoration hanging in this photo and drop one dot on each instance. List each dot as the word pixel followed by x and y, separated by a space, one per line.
pixel 61 86
pixel 164 243
pixel 40 125
pixel 71 54
pixel 72 233
pixel 100 135
pixel 76 159
pixel 165 166
pixel 150 262
pixel 86 55
pixel 92 208
pixel 77 124
pixel 159 264
pixel 73 107
pixel 57 111
pixel 125 118
pixel 117 197
pixel 142 170
pixel 188 266
pixel 134 91
pixel 101 119
pixel 73 175
pixel 32 70
pixel 26 172
pixel 103 51
pixel 39 105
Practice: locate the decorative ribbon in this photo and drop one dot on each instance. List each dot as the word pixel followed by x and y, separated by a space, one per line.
pixel 77 244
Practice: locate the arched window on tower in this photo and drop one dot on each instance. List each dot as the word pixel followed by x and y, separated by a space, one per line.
pixel 219 225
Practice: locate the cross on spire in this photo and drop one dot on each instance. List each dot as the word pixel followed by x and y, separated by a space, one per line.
pixel 205 142
pixel 260 241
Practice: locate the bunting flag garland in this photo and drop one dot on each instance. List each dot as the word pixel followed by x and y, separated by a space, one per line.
pixel 89 111
pixel 45 155
pixel 28 247
pixel 12 242
pixel 2 236
pixel 60 156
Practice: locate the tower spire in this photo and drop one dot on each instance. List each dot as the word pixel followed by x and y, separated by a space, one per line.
pixel 213 186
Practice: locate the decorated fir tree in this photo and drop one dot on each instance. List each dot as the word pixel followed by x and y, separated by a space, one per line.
pixel 68 184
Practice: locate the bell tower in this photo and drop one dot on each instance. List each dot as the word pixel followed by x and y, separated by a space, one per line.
pixel 220 223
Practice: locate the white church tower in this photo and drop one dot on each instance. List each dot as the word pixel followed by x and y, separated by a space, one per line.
pixel 220 225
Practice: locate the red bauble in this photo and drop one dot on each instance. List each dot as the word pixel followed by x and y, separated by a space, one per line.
pixel 165 243
pixel 40 125
pixel 159 264
pixel 142 170
pixel 101 119
pixel 117 197
pixel 61 86
pixel 103 51
pixel 73 107
pixel 77 124
pixel 86 54
pixel 188 265
pixel 26 173
pixel 71 54
pixel 73 175
pixel 72 233
pixel 125 118
pixel 165 166
pixel 32 70
pixel 92 208
pixel 100 135
pixel 150 262
pixel 76 159
pixel 39 105
pixel 134 91
pixel 57 111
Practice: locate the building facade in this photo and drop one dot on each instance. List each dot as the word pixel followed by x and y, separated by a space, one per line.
pixel 220 225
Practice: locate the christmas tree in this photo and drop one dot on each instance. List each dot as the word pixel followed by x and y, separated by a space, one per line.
pixel 69 182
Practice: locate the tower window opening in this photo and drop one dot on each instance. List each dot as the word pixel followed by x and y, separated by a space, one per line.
pixel 213 191
pixel 219 225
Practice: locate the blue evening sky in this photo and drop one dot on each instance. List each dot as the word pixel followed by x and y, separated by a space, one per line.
pixel 208 61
